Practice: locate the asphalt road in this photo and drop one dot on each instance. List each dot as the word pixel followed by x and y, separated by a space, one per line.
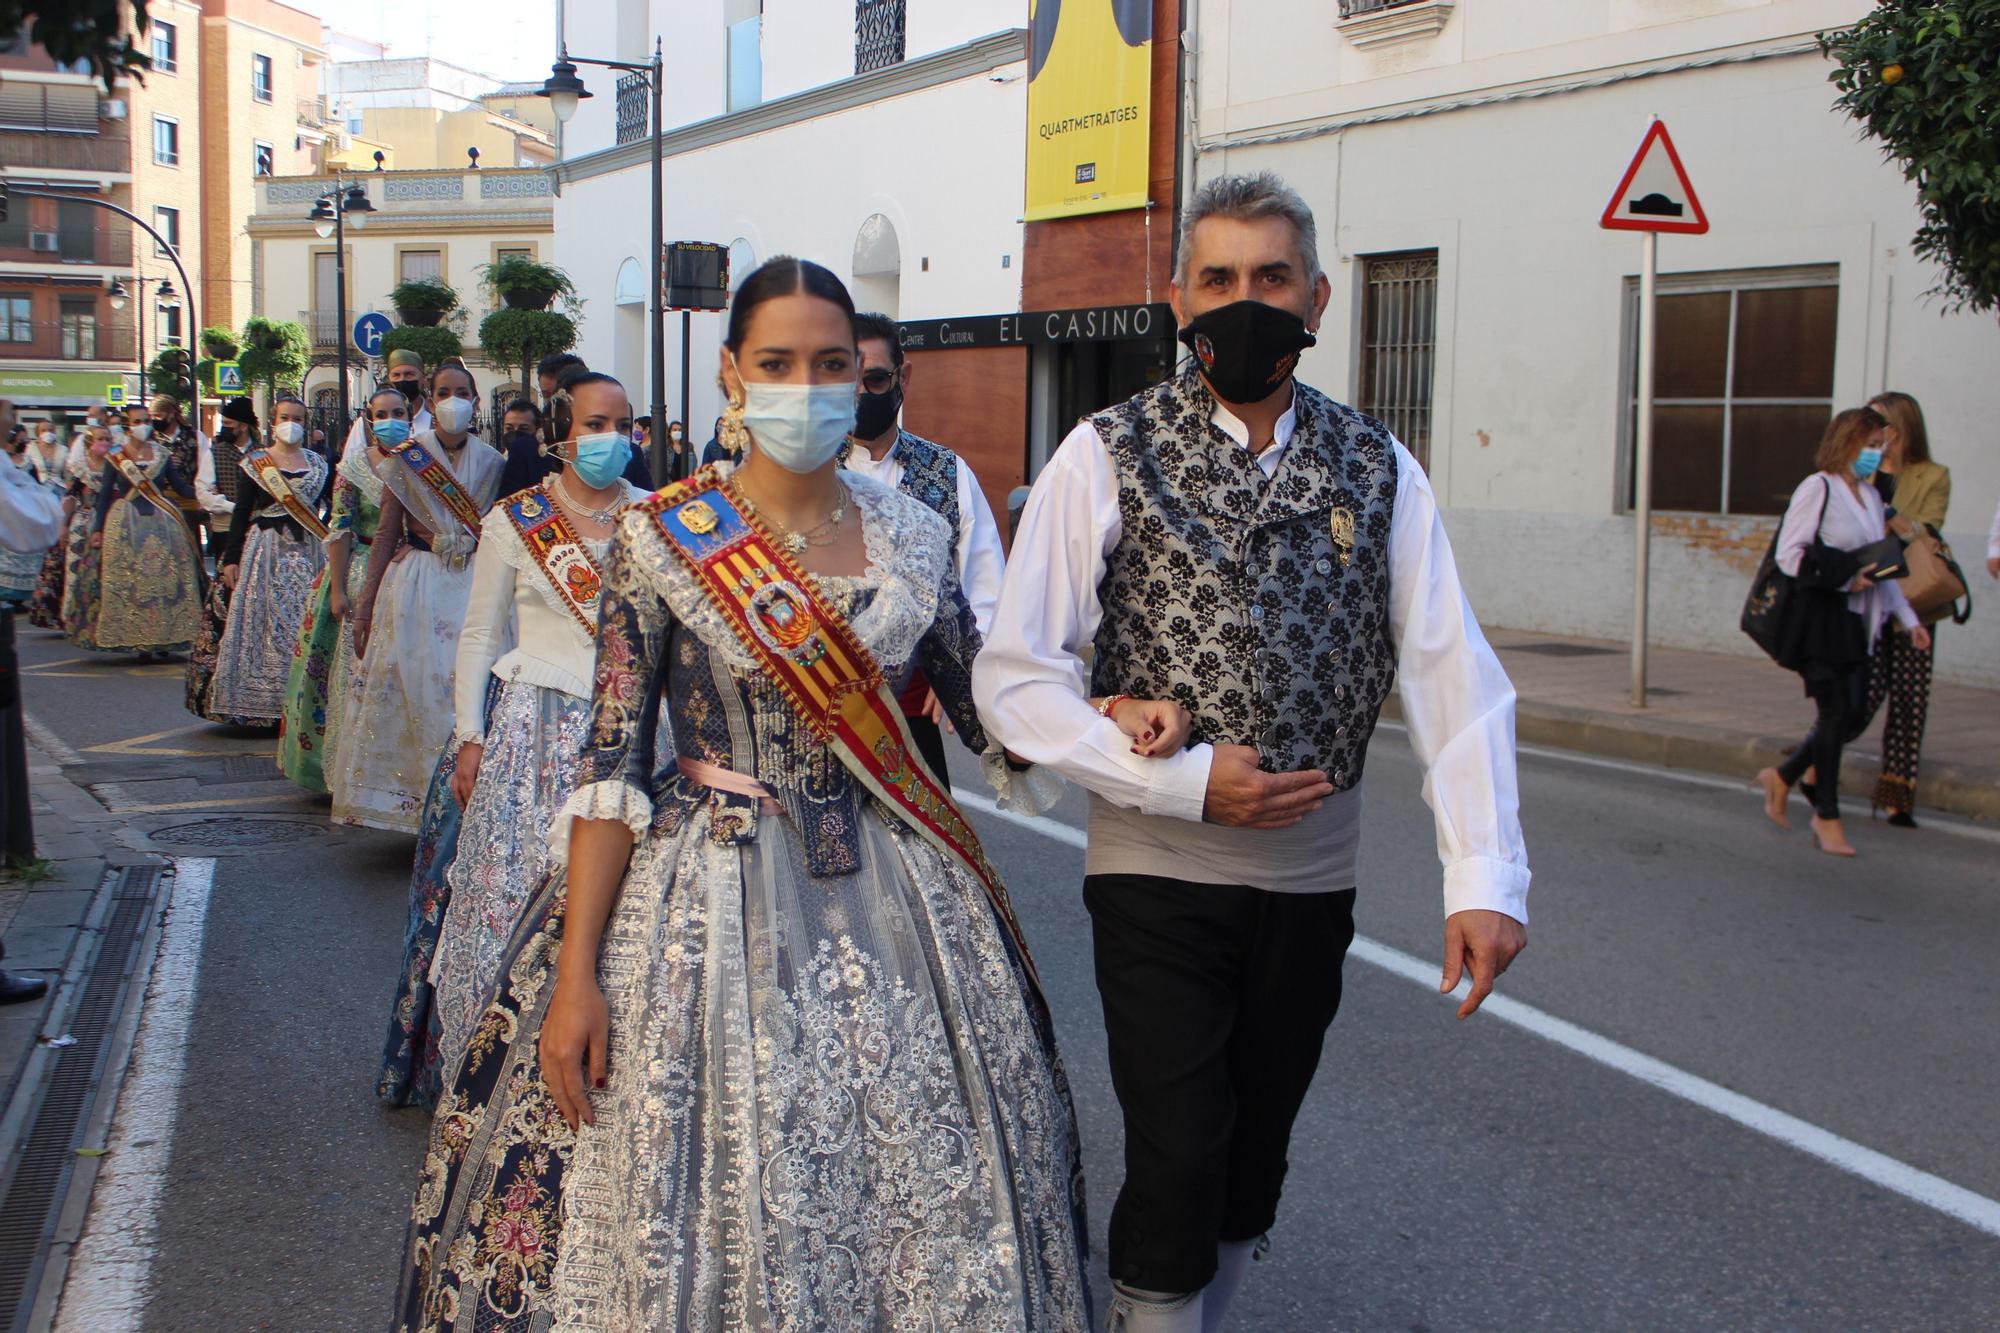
pixel 1444 1175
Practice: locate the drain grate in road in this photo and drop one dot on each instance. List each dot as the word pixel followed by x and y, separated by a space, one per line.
pixel 35 1195
pixel 237 832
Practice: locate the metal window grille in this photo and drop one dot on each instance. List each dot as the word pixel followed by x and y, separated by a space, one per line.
pixel 878 34
pixel 632 92
pixel 1355 8
pixel 1399 345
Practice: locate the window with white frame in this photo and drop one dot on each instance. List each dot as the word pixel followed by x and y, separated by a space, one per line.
pixel 167 222
pixel 166 47
pixel 166 141
pixel 1742 385
pixel 260 77
pixel 167 320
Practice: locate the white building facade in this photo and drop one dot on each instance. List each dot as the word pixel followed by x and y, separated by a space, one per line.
pixel 904 179
pixel 1457 157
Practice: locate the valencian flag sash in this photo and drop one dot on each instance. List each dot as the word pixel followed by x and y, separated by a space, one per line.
pixel 832 680
pixel 441 482
pixel 557 551
pixel 264 470
pixel 134 472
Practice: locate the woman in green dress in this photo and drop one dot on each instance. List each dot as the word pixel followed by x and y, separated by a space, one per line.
pixel 323 665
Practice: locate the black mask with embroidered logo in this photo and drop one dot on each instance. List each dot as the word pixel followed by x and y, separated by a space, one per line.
pixel 874 413
pixel 1247 349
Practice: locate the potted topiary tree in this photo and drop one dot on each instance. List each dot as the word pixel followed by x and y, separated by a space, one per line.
pixel 274 352
pixel 423 302
pixel 523 284
pixel 523 337
pixel 432 343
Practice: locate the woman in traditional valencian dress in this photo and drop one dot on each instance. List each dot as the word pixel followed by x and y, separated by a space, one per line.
pixel 150 578
pixel 437 488
pixel 324 676
pixel 793 1070
pixel 523 701
pixel 47 460
pixel 268 563
pixel 80 555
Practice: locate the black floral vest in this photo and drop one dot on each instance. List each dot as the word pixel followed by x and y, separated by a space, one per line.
pixel 930 475
pixel 1260 605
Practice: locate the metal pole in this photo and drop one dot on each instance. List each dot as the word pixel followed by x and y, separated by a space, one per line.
pixel 139 324
pixel 17 821
pixel 658 263
pixel 1642 489
pixel 340 308
pixel 683 461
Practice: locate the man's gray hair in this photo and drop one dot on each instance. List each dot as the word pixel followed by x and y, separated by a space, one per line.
pixel 1247 198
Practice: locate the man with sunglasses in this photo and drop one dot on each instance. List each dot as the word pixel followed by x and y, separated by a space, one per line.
pixel 881 449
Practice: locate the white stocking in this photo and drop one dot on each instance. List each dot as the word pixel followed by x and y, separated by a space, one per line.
pixel 1154 1312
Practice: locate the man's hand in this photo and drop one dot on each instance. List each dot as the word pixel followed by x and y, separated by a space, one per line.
pixel 1483 943
pixel 1240 795
pixel 934 710
pixel 1993 567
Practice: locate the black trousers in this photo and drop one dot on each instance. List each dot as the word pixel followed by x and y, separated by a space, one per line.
pixel 1841 697
pixel 930 744
pixel 1216 1004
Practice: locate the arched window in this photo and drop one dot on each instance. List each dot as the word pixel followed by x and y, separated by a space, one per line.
pixel 878 267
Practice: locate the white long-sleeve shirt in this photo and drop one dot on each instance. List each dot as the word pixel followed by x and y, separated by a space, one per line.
pixel 1032 686
pixel 1855 516
pixel 205 490
pixel 516 627
pixel 981 561
pixel 30 513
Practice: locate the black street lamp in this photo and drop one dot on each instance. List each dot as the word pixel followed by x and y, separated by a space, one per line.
pixel 328 211
pixel 564 89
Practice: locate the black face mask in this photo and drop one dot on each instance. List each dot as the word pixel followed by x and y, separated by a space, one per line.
pixel 874 413
pixel 411 389
pixel 523 439
pixel 1247 349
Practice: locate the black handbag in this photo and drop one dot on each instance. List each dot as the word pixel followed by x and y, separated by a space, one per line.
pixel 1779 607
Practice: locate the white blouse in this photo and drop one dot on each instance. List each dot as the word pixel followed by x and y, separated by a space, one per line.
pixel 517 626
pixel 1854 518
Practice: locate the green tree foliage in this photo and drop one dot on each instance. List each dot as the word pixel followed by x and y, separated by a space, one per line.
pixel 274 352
pixel 1923 78
pixel 433 343
pixel 93 31
pixel 517 337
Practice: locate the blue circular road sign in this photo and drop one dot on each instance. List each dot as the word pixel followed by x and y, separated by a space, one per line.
pixel 369 330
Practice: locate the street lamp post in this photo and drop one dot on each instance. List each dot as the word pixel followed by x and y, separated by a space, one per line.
pixel 564 89
pixel 327 213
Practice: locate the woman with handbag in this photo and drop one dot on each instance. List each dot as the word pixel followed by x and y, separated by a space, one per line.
pixel 1833 515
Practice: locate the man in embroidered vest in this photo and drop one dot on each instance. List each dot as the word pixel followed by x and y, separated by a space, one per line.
pixel 1269 561
pixel 881 449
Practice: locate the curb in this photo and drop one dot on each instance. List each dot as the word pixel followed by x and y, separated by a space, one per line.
pixel 1970 790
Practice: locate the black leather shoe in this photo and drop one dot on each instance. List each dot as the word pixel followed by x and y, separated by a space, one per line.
pixel 16 987
pixel 1903 819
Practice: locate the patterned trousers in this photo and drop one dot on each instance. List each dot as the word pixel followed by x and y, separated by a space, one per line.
pixel 1900 674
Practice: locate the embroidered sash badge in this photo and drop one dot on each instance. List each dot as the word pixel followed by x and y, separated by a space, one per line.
pixel 557 552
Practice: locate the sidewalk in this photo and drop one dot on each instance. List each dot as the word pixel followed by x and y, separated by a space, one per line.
pixel 1732 716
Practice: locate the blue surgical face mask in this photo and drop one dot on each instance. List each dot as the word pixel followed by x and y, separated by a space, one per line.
pixel 390 431
pixel 799 426
pixel 1866 462
pixel 600 459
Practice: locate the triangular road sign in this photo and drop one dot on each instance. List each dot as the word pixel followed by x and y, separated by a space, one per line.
pixel 1656 194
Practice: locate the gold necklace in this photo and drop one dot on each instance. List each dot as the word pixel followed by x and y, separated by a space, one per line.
pixel 795 541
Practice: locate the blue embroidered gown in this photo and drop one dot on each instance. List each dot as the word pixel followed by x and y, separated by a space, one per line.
pixel 834 1100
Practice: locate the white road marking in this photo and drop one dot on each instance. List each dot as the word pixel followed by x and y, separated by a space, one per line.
pixel 106 1288
pixel 1975 1210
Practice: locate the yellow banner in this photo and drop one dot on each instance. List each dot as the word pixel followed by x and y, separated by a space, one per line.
pixel 1090 76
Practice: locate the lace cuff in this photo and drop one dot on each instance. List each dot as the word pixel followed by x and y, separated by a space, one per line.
pixel 614 799
pixel 1027 792
pixel 463 738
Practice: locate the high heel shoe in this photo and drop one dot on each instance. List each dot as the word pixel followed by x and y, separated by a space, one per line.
pixel 1776 792
pixel 1825 831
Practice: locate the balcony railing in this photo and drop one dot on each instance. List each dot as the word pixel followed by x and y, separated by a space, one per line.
pixel 47 340
pixel 22 244
pixel 68 152
pixel 632 97
pixel 312 112
pixel 1356 8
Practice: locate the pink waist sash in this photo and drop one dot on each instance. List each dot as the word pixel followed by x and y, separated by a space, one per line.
pixel 729 780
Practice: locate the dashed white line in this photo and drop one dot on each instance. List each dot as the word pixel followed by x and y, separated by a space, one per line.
pixel 106 1287
pixel 1918 1186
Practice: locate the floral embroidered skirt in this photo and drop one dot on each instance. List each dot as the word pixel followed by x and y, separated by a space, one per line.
pixel 399 714
pixel 323 681
pixel 253 662
pixel 833 1103
pixel 45 606
pixel 81 581
pixel 151 588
